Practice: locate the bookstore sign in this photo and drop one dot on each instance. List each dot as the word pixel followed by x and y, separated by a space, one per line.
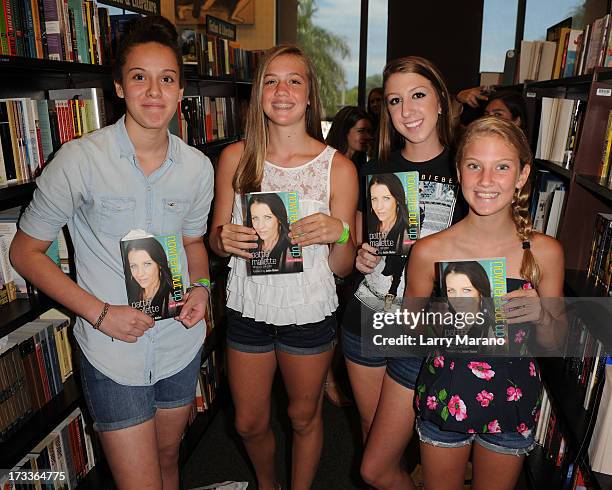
pixel 147 7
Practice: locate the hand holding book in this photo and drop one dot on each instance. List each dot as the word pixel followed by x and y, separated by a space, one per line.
pixel 194 308
pixel 318 228
pixel 367 258
pixel 523 305
pixel 125 323
pixel 238 240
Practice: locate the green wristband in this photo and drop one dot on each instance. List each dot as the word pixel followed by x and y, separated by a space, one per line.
pixel 346 232
pixel 200 283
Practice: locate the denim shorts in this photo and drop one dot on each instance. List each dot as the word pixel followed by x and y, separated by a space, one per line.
pixel 114 406
pixel 403 370
pixel 247 335
pixel 512 443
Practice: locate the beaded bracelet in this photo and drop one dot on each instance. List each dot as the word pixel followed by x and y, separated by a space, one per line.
pixel 346 232
pixel 100 319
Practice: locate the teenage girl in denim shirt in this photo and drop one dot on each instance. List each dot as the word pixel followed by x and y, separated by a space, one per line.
pixel 138 376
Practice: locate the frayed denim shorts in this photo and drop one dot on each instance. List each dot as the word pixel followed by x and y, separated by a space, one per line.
pixel 511 443
pixel 402 370
pixel 254 337
pixel 114 406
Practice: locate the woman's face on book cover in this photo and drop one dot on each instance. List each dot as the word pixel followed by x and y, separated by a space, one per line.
pixel 490 173
pixel 150 85
pixel 459 286
pixel 145 270
pixel 265 223
pixel 384 206
pixel 413 106
pixel 285 90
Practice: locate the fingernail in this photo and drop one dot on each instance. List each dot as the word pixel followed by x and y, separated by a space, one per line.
pixel 527 286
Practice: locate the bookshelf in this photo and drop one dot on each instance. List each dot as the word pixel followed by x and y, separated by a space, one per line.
pixel 585 197
pixel 26 77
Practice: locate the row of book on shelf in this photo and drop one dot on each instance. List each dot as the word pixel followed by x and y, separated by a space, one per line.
pixel 81 31
pixel 559 130
pixel 585 366
pixel 62 30
pixel 567 52
pixel 604 174
pixel 201 119
pixel 600 260
pixel 35 362
pixel 12 285
pixel 32 130
pixel 217 57
pixel 547 202
pixel 61 460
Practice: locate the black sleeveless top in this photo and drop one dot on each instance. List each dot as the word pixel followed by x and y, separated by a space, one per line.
pixel 484 394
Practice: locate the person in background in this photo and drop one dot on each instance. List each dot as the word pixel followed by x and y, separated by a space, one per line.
pixel 351 134
pixel 139 376
pixel 284 320
pixel 374 107
pixel 506 104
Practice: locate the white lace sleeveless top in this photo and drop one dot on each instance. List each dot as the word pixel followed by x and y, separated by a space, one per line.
pixel 298 298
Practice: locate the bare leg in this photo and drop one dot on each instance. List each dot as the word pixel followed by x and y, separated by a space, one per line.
pixel 444 468
pixel 250 379
pixel 304 377
pixel 366 383
pixel 133 457
pixel 495 471
pixel 390 433
pixel 170 425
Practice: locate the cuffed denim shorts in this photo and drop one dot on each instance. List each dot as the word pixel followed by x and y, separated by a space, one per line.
pixel 247 335
pixel 511 443
pixel 114 406
pixel 403 370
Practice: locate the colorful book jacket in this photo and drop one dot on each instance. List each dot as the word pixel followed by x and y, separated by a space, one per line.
pixel 393 214
pixel 477 287
pixel 153 274
pixel 270 214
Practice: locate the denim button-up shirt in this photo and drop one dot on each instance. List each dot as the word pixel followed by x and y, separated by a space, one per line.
pixel 95 185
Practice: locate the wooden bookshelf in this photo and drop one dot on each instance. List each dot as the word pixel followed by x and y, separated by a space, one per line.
pixel 592 183
pixel 555 168
pixel 18 194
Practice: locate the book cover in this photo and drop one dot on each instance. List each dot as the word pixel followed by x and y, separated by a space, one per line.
pixel 475 289
pixel 153 276
pixel 270 214
pixel 393 214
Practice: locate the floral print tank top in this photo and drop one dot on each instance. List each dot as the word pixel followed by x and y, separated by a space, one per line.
pixel 485 394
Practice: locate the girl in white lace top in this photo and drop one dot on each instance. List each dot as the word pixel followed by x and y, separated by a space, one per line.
pixel 284 319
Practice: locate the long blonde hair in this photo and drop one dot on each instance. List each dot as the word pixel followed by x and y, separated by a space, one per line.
pixel 388 137
pixel 515 138
pixel 249 173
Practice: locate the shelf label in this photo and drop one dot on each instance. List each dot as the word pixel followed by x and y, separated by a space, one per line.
pixel 604 92
pixel 530 95
pixel 150 7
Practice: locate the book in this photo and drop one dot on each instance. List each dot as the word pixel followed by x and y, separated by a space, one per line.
pixel 475 288
pixel 393 213
pixel 270 214
pixel 153 274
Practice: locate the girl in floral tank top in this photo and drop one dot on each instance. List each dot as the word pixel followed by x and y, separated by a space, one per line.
pixel 488 403
pixel 285 320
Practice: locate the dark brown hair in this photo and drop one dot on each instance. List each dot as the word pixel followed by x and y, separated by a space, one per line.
pixel 151 29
